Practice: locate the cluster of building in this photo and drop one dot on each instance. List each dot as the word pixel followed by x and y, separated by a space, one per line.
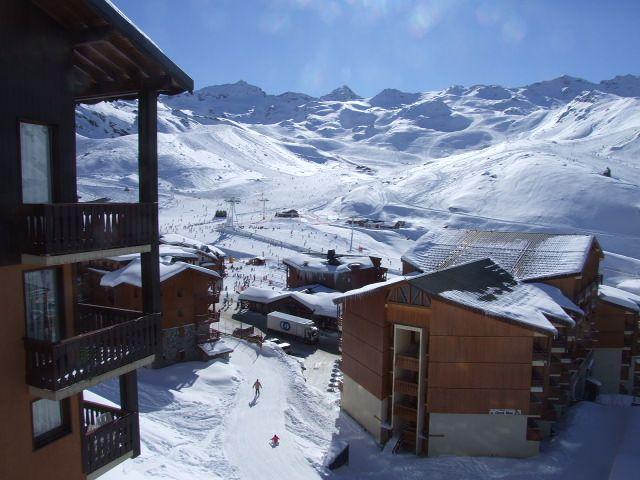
pixel 484 342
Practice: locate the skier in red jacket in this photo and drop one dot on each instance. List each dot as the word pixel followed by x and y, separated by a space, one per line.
pixel 275 440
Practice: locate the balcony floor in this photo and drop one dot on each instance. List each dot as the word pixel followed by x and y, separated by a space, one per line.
pixel 92 382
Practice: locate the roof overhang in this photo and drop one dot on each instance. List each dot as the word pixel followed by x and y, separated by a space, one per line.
pixel 112 58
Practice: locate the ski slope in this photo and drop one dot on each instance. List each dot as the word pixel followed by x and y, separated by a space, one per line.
pixel 199 421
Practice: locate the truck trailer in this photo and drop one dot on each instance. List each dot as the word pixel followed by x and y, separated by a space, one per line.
pixel 299 327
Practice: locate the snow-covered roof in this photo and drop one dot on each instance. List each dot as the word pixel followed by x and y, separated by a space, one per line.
pixel 559 297
pixel 320 303
pixel 621 298
pixel 486 287
pixel 372 287
pixel 166 251
pixel 314 264
pixel 526 256
pixel 131 273
pixel 262 295
pixel 181 240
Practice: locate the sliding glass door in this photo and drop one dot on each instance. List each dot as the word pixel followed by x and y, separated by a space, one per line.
pixel 35 157
pixel 43 304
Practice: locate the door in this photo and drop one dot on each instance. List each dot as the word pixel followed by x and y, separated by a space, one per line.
pixel 35 158
pixel 43 304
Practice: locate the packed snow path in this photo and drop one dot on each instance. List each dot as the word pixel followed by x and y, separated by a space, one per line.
pixel 253 421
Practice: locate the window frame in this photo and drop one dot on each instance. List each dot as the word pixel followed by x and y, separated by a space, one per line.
pixel 62 324
pixel 57 433
pixel 53 147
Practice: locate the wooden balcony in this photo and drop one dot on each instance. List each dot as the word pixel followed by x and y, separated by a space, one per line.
pixel 109 435
pixel 408 363
pixel 405 412
pixel 56 370
pixel 405 387
pixel 49 231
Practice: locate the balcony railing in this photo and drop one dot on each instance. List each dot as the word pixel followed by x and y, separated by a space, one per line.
pixel 405 387
pixel 108 434
pixel 406 413
pixel 57 365
pixel 408 363
pixel 65 228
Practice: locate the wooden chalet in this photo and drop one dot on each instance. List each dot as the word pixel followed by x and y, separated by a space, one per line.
pixel 468 358
pixel 53 55
pixel 617 319
pixel 338 272
pixel 313 302
pixel 189 294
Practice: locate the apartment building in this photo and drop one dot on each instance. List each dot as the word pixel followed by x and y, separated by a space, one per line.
pixel 338 272
pixel 616 352
pixel 478 349
pixel 54 55
pixel 188 294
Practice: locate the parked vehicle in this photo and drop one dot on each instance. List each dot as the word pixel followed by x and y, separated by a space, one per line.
pixel 299 327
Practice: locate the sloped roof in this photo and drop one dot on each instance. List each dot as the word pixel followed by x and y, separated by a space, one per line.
pixel 131 274
pixel 486 287
pixel 621 298
pixel 316 264
pixel 112 57
pixel 526 256
pixel 182 241
pixel 262 295
pixel 320 303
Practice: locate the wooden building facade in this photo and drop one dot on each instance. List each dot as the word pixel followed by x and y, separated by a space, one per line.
pixel 337 272
pixel 54 55
pixel 617 349
pixel 446 378
pixel 188 295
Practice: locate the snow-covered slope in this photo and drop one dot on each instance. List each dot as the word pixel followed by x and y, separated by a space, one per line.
pixel 483 156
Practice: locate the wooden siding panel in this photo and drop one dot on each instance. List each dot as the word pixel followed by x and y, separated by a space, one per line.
pixel 373 334
pixel 376 360
pixel 453 320
pixel 480 349
pixel 480 375
pixel 443 400
pixel 408 315
pixel 378 385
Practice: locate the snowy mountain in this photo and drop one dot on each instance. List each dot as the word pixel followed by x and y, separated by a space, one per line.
pixel 483 156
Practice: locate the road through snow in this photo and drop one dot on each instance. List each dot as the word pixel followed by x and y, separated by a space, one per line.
pixel 252 423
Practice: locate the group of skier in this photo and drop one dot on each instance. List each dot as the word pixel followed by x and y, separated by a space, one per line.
pixel 257 387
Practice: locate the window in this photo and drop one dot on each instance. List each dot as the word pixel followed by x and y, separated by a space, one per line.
pixel 42 304
pixel 50 421
pixel 35 158
pixel 180 293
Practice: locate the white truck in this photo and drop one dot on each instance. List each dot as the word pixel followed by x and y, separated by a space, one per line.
pixel 299 327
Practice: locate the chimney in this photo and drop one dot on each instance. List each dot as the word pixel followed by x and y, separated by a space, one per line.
pixel 331 254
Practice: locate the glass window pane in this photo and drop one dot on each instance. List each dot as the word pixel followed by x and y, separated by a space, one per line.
pixel 47 415
pixel 42 305
pixel 35 153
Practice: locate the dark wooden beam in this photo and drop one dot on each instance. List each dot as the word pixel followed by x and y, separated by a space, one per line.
pixel 148 193
pixel 87 36
pixel 129 402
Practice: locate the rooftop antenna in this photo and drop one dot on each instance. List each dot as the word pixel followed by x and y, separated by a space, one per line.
pixel 264 206
pixel 233 201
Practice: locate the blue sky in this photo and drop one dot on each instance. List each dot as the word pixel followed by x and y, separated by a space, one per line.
pixel 313 46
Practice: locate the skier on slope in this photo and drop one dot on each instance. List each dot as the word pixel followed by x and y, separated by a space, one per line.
pixel 275 440
pixel 257 386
